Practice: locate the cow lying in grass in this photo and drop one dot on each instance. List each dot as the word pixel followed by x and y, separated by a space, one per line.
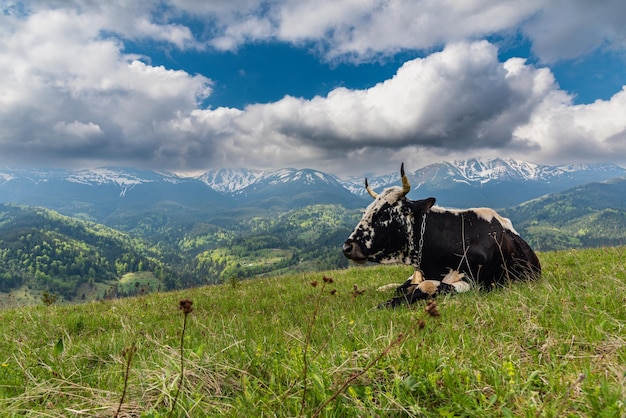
pixel 479 245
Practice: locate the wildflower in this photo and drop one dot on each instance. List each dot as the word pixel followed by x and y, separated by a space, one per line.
pixel 185 305
pixel 356 292
pixel 314 283
pixel 432 310
pixel 328 279
pixel 509 369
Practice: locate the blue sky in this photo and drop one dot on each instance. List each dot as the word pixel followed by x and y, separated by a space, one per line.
pixel 266 72
pixel 346 87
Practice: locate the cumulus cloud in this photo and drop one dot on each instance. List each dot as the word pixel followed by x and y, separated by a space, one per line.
pixel 569 132
pixel 58 69
pixel 567 29
pixel 461 98
pixel 361 30
pixel 69 91
pixel 78 129
pixel 358 30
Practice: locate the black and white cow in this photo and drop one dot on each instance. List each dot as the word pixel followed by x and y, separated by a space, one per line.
pixel 449 247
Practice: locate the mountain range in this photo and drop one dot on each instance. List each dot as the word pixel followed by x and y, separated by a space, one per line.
pixel 98 194
pixel 497 183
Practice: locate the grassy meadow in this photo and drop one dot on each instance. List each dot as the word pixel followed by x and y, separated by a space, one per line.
pixel 283 347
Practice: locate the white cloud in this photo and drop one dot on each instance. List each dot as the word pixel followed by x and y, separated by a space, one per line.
pixel 567 29
pixel 58 68
pixel 568 132
pixel 461 98
pixel 363 30
pixel 70 91
pixel 78 129
pixel 456 97
pixel 358 29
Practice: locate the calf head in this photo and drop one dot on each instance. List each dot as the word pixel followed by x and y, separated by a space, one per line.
pixel 386 232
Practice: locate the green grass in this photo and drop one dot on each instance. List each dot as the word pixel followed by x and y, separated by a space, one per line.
pixel 134 282
pixel 556 347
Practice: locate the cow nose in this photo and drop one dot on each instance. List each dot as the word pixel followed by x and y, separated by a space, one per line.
pixel 352 251
pixel 348 248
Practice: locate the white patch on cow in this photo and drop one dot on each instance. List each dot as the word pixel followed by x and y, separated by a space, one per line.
pixel 486 214
pixel 388 196
pixel 398 259
pixel 367 231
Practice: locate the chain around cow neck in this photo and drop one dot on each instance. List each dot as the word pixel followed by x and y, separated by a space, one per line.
pixel 421 242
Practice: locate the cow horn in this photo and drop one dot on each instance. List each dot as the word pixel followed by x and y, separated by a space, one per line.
pixel 406 186
pixel 369 190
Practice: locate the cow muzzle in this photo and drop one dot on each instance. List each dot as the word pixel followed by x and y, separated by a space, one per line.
pixel 353 251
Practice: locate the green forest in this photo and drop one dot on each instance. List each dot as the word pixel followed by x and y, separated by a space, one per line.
pixel 46 251
pixel 43 252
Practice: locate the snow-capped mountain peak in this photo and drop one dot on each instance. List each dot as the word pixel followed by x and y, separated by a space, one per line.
pixel 228 180
pixel 305 176
pixel 125 179
pixel 461 183
pixel 477 170
pixel 99 176
pixel 236 180
pixel 461 179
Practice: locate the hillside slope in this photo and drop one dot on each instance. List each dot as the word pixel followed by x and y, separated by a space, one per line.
pixel 590 215
pixel 50 252
pixel 282 347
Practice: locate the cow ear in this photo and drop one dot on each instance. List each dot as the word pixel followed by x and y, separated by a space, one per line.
pixel 423 206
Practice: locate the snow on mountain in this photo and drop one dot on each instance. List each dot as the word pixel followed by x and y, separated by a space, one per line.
pixel 236 180
pixel 304 176
pixel 480 172
pixel 461 183
pixel 289 188
pixel 106 176
pixel 5 177
pixel 228 180
pixel 122 177
pixel 34 176
pixel 356 185
pixel 125 179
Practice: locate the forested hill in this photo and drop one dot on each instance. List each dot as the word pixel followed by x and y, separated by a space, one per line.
pixel 44 250
pixel 590 215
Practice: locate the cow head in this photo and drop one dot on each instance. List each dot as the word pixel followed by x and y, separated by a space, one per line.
pixel 385 233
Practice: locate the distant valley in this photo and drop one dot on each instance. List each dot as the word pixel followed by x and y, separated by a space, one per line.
pixel 98 228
